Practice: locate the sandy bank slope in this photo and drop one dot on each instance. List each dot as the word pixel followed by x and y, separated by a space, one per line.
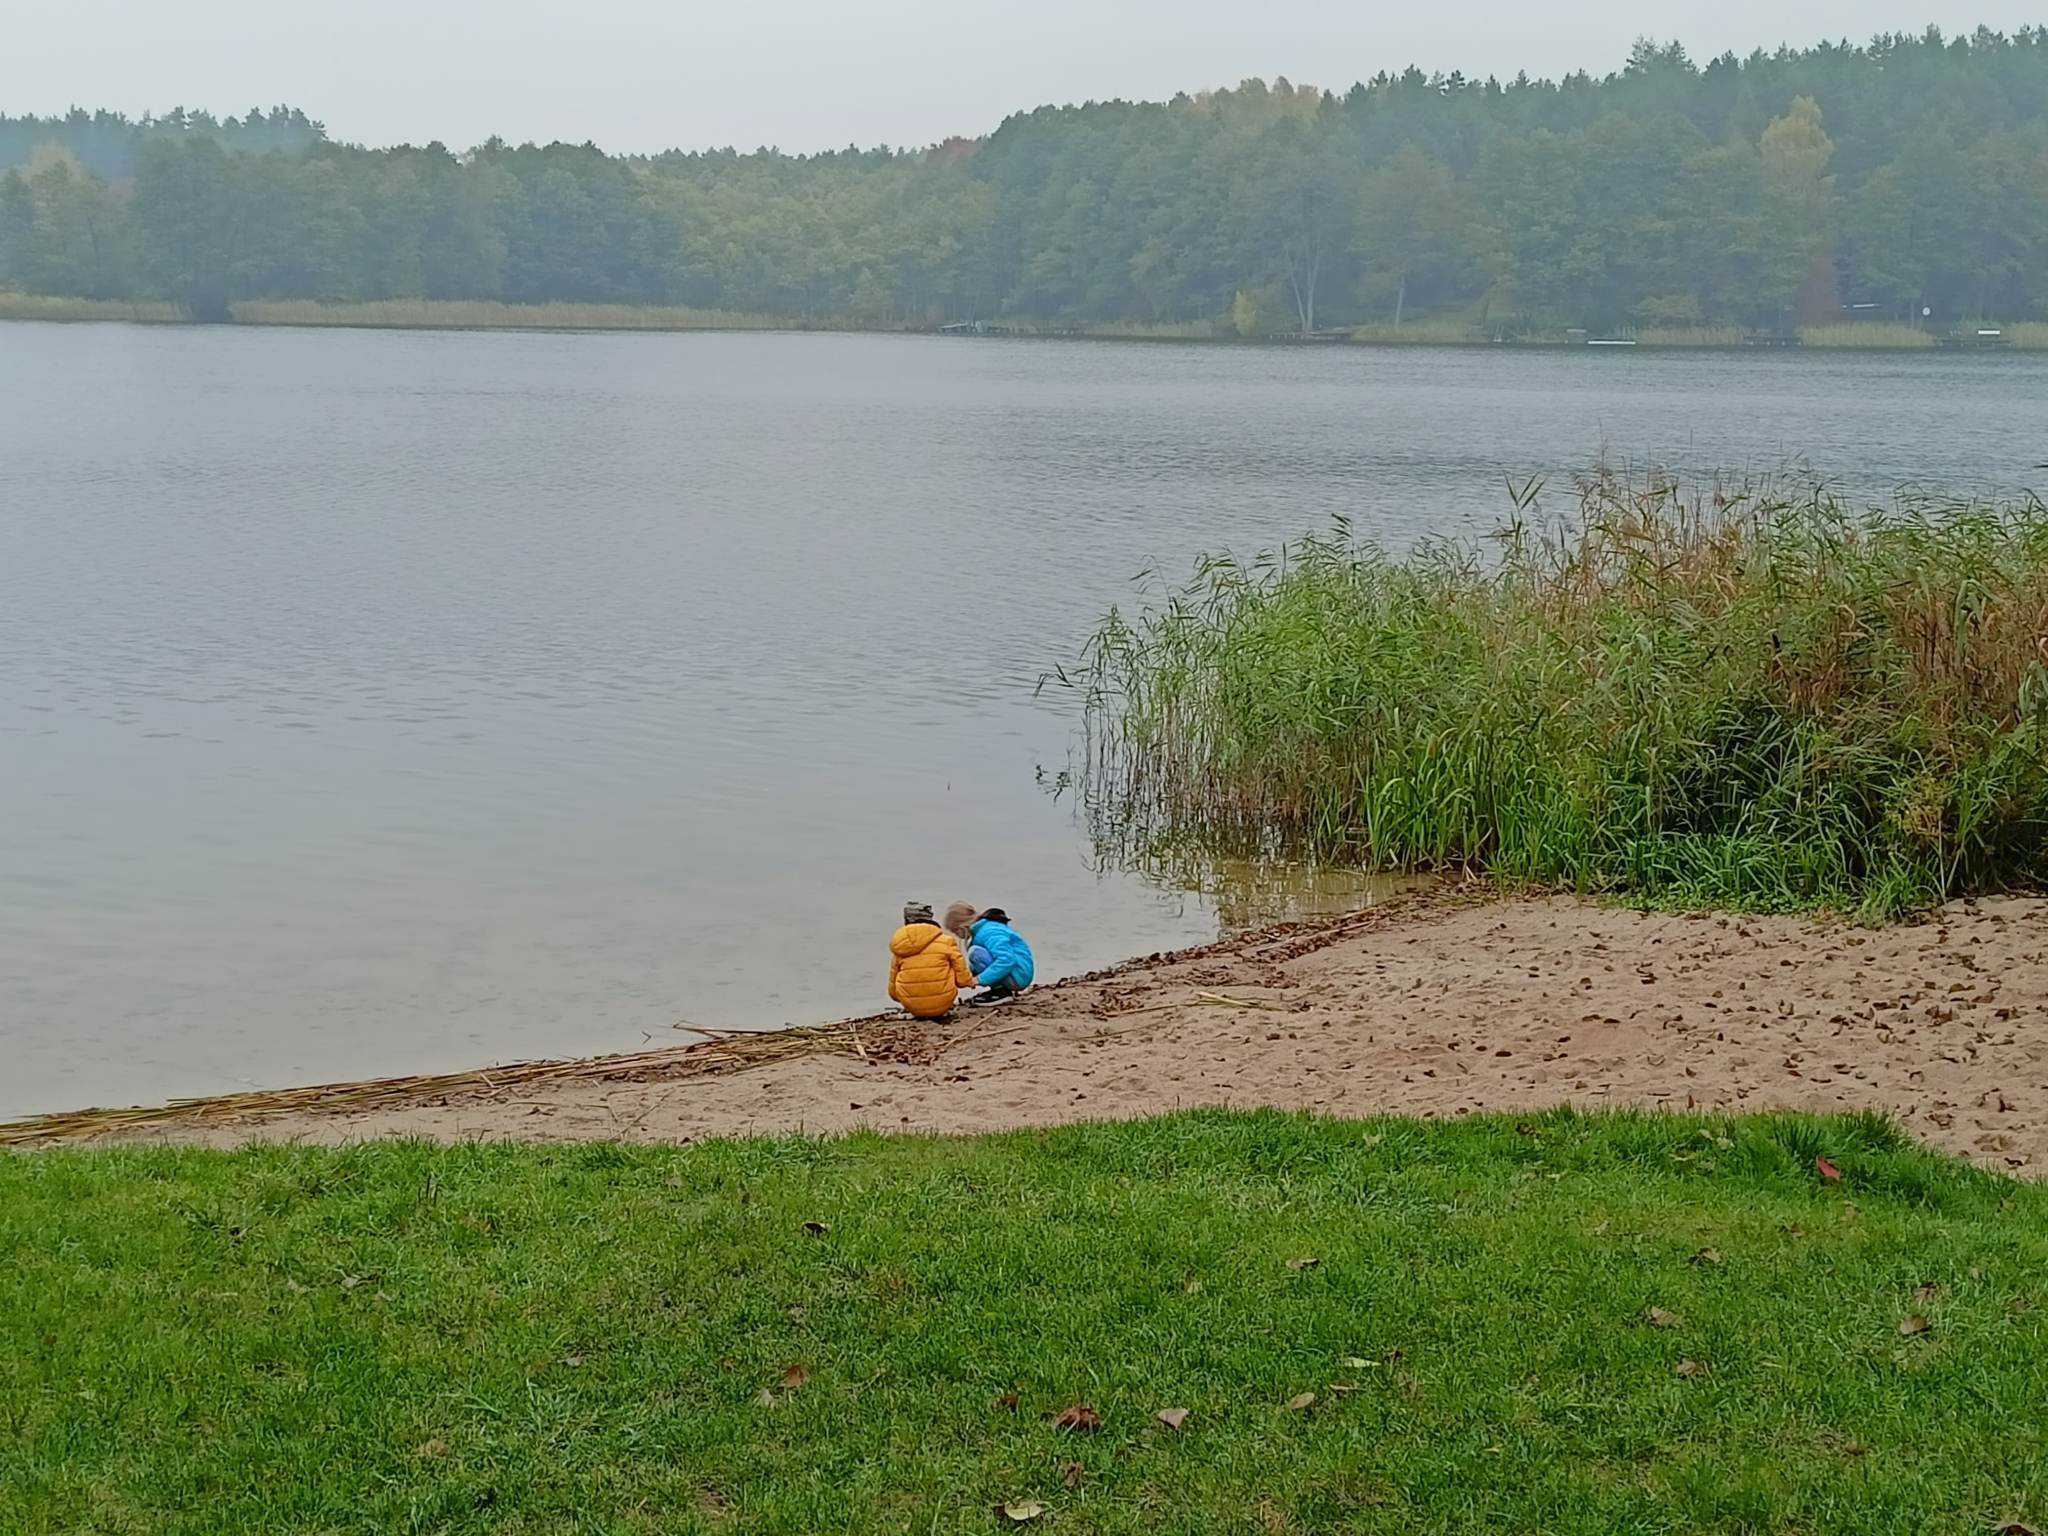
pixel 1436 1009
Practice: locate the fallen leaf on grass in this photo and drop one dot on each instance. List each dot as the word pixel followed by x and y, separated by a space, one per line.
pixel 1078 1419
pixel 765 1398
pixel 572 1361
pixel 1917 1323
pixel 1357 1363
pixel 1304 1263
pixel 1302 1404
pixel 1926 1293
pixel 1193 1288
pixel 1829 1173
pixel 1072 1473
pixel 1023 1512
pixel 1008 1400
pixel 433 1450
pixel 1657 1317
pixel 817 1228
pixel 295 1288
pixel 350 1282
pixel 1689 1368
pixel 1709 1256
pixel 1172 1418
pixel 2016 1528
pixel 794 1377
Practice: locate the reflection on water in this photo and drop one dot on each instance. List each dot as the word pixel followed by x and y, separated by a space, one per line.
pixel 1250 893
pixel 377 702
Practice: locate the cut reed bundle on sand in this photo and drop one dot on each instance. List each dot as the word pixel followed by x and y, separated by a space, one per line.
pixel 721 1052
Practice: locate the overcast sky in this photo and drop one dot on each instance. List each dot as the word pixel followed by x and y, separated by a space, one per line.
pixel 810 74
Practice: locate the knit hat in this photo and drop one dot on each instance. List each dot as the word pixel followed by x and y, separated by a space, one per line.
pixel 917 912
pixel 997 915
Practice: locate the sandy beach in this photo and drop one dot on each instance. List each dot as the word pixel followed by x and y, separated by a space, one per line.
pixel 1434 1006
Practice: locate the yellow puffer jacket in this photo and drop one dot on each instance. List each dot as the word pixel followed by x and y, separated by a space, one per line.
pixel 926 969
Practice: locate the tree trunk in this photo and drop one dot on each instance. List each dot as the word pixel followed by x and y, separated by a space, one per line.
pixel 1305 291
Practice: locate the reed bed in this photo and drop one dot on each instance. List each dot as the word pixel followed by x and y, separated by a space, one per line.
pixel 1117 330
pixel 1867 336
pixel 1690 335
pixel 721 1052
pixel 37 306
pixel 488 315
pixel 2028 335
pixel 1742 697
pixel 1425 332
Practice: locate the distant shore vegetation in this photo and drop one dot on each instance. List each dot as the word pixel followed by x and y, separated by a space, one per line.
pixel 495 315
pixel 1888 193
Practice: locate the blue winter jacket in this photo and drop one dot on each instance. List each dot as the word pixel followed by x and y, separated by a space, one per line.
pixel 1009 956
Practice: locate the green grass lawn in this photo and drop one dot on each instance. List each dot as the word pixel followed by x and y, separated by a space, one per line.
pixel 877 1334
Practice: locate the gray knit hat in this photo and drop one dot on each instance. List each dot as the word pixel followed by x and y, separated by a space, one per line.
pixel 917 912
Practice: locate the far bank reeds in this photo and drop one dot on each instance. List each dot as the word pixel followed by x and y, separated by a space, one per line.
pixel 36 306
pixel 489 315
pixel 1867 336
pixel 1746 698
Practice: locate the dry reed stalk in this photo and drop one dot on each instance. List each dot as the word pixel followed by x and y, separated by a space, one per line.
pixel 1234 1002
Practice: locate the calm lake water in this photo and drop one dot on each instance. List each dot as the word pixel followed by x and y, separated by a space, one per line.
pixel 381 702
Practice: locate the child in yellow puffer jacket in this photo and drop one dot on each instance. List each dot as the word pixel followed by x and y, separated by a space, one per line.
pixel 926 968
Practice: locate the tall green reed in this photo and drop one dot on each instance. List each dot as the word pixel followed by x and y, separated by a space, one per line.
pixel 1748 697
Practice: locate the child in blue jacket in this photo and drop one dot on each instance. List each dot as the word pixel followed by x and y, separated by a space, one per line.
pixel 996 952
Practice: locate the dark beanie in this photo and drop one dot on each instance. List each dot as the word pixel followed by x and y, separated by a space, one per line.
pixel 917 912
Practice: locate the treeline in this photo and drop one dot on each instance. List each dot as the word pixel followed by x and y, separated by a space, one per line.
pixel 1907 174
pixel 107 143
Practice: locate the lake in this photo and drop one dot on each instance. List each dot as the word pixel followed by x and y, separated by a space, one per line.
pixel 386 702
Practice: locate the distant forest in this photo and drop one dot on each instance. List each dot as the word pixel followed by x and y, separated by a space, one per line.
pixel 1904 174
